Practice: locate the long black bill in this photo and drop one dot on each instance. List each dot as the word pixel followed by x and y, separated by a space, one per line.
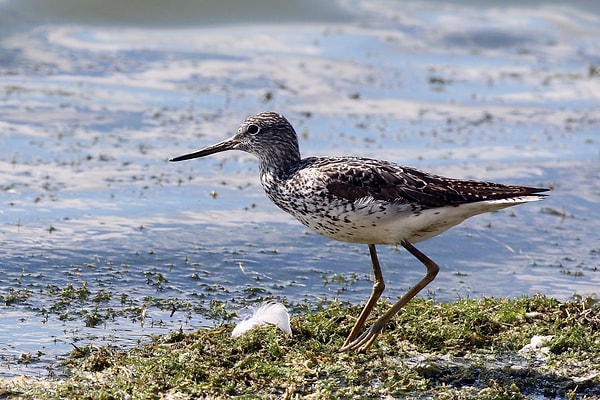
pixel 228 144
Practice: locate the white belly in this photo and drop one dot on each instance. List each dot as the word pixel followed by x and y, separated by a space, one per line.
pixel 375 222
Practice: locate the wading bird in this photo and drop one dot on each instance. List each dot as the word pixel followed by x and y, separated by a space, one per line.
pixel 361 200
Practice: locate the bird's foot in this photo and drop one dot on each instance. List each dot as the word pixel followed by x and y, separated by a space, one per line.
pixel 365 340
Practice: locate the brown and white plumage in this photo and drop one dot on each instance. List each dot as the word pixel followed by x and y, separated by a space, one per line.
pixel 363 200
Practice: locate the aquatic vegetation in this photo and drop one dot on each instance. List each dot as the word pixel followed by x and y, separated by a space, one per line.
pixel 466 349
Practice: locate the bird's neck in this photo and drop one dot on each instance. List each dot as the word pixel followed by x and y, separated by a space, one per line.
pixel 278 170
pixel 279 160
pixel 277 166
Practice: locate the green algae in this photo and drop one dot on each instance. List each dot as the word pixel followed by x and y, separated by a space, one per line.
pixel 472 348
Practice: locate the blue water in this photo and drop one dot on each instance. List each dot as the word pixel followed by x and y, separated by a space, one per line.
pixel 95 99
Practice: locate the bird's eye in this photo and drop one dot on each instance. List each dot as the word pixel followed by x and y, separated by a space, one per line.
pixel 253 129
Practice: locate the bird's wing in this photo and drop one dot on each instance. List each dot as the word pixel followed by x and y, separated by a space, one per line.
pixel 355 178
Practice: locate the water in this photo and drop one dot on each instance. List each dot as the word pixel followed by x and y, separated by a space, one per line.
pixel 98 229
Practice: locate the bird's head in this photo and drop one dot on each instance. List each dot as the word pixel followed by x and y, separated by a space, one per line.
pixel 268 135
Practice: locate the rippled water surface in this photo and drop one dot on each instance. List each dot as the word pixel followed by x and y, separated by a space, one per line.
pixel 103 240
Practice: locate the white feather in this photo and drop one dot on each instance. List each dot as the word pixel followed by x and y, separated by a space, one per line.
pixel 267 313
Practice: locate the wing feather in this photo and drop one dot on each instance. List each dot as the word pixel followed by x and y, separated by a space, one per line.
pixel 356 178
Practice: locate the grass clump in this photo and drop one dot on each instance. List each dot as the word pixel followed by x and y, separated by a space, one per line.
pixel 466 349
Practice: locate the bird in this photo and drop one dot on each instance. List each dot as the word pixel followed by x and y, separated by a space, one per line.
pixel 363 200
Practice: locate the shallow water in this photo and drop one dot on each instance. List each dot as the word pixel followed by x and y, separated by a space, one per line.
pixel 97 224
